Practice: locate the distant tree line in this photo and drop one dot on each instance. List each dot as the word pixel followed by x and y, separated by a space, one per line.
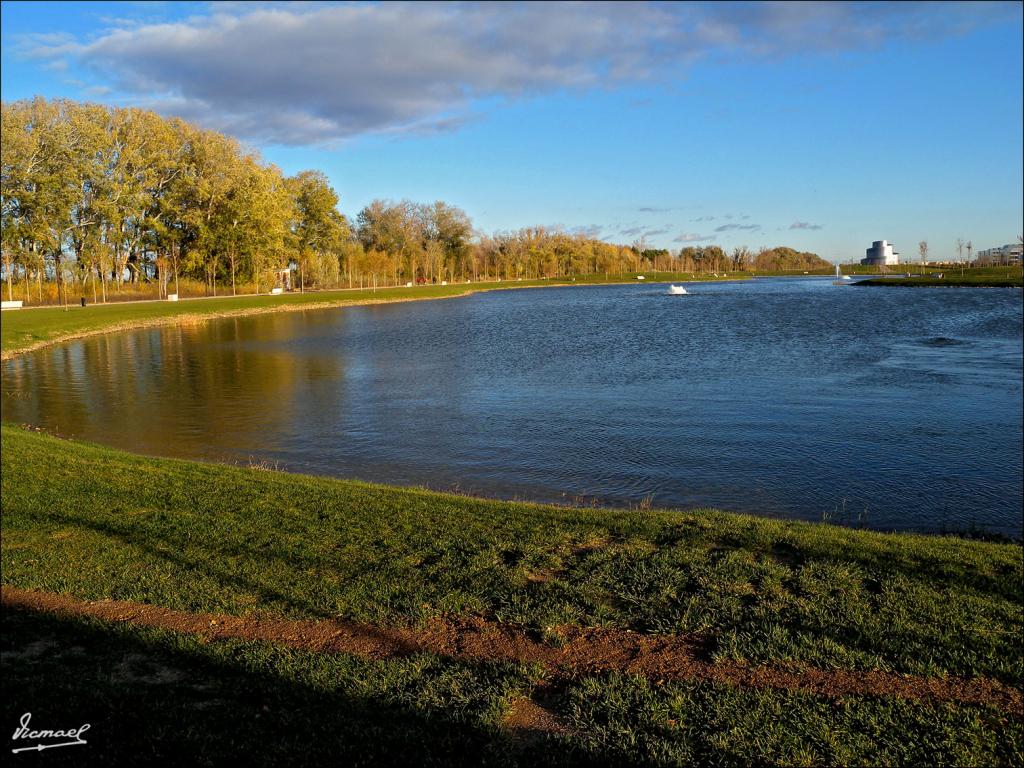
pixel 780 259
pixel 101 200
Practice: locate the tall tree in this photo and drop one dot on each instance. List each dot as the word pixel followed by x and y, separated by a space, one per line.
pixel 394 231
pixel 320 231
pixel 451 229
pixel 56 184
pixel 740 257
pixel 19 158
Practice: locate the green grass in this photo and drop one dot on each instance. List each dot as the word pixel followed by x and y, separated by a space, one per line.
pixel 975 277
pixel 100 523
pixel 155 697
pixel 26 328
pixel 700 724
pixel 1003 277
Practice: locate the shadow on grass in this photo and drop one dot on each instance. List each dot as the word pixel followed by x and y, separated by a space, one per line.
pixel 172 549
pixel 153 697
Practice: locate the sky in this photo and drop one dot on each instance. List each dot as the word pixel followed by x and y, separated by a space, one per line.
pixel 821 126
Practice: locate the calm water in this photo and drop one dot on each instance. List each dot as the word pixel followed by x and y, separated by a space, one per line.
pixel 891 408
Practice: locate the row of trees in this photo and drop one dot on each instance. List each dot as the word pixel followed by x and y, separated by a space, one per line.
pixel 105 199
pixel 104 196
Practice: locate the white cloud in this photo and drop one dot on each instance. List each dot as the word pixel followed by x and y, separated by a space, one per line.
pixel 692 237
pixel 738 227
pixel 309 73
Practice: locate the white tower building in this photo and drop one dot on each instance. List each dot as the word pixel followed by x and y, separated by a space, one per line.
pixel 881 253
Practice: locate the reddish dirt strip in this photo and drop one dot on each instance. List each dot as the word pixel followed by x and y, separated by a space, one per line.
pixel 583 651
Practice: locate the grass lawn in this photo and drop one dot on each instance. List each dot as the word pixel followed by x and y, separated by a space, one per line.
pixel 976 277
pixel 99 523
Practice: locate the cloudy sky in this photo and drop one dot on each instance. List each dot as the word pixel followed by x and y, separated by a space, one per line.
pixel 821 126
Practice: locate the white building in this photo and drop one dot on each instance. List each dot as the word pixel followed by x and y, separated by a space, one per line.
pixel 881 253
pixel 1004 254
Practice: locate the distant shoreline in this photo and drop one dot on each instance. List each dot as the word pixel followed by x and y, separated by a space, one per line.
pixel 945 282
pixel 21 335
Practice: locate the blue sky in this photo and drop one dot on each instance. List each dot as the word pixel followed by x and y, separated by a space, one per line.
pixel 820 126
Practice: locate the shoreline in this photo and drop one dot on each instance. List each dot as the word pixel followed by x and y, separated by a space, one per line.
pixel 194 318
pixel 566 503
pixel 191 319
pixel 204 317
pixel 894 283
pixel 244 541
pixel 918 282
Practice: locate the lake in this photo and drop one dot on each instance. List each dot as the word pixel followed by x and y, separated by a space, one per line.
pixel 888 408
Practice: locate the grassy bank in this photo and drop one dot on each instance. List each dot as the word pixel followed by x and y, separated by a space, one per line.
pixel 978 277
pixel 98 523
pixel 26 329
pixel 947 282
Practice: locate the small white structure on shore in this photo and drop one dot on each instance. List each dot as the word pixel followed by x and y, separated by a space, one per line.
pixel 881 253
pixel 283 279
